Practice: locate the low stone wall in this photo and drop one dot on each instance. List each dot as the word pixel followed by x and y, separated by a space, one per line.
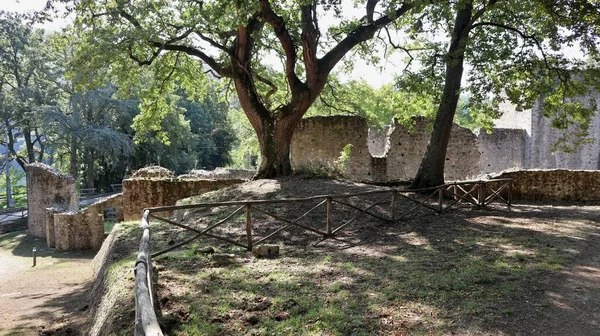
pixel 84 229
pixel 141 193
pixel 554 185
pixel 47 188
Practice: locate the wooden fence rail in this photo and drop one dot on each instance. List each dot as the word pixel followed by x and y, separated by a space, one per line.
pixel 478 193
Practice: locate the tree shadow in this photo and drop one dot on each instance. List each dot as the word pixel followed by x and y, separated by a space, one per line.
pixel 484 271
pixel 20 244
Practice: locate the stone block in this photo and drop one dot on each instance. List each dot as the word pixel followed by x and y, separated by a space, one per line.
pixel 223 258
pixel 266 251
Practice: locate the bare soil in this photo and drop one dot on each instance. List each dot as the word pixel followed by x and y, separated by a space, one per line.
pixel 48 299
pixel 532 269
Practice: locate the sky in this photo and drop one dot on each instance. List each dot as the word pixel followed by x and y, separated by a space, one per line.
pixel 369 73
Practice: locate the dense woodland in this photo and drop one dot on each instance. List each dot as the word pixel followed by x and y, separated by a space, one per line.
pixel 191 84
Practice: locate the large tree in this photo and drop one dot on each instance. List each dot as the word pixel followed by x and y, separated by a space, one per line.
pixel 183 40
pixel 24 90
pixel 515 51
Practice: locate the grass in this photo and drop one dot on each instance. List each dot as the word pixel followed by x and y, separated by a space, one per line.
pixel 434 280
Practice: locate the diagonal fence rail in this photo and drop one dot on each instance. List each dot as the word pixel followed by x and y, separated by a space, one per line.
pixel 439 199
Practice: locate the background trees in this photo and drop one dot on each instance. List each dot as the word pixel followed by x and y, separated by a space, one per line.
pixel 87 131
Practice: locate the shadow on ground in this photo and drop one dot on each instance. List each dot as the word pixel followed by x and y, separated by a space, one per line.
pixel 524 271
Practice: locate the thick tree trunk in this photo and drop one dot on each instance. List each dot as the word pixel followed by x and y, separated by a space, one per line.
pixel 29 145
pixel 275 138
pixel 431 170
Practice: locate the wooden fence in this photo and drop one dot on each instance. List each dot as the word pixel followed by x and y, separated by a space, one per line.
pixel 439 199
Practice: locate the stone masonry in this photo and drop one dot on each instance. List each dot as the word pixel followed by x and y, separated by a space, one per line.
pixel 318 142
pixel 148 191
pixel 47 188
pixel 83 229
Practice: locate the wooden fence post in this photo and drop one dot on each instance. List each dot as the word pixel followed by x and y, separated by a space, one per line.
pixel 480 194
pixel 329 213
pixel 249 225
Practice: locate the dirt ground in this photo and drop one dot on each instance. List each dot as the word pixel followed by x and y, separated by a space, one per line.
pixel 533 269
pixel 48 299
pixel 530 270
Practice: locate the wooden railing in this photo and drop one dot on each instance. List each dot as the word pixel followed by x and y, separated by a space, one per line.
pixel 439 199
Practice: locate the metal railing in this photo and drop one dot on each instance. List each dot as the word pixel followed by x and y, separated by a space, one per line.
pixel 439 199
pixel 12 214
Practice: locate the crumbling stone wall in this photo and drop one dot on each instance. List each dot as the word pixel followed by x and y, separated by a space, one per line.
pixel 408 146
pixel 554 185
pixel 319 141
pixel 503 149
pixel 145 192
pixel 84 229
pixel 395 156
pixel 47 188
pixel 378 141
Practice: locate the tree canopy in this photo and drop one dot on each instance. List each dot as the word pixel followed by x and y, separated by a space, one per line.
pixel 513 51
pixel 185 41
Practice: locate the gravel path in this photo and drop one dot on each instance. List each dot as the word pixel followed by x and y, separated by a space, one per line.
pixel 42 299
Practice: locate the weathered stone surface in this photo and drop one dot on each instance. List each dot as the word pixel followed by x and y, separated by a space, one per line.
pixel 554 185
pixel 153 172
pixel 141 193
pixel 407 148
pixel 397 154
pixel 503 149
pixel 84 229
pixel 50 233
pixel 544 136
pixel 47 187
pixel 266 251
pixel 318 143
pixel 220 174
pixel 223 258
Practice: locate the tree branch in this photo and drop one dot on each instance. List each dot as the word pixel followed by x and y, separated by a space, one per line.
pixel 287 43
pixel 169 45
pixel 356 36
pixel 310 38
pixel 271 91
pixel 525 37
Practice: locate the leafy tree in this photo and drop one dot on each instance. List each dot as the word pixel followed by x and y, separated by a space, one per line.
pixel 378 106
pixel 514 49
pixel 182 40
pixel 23 88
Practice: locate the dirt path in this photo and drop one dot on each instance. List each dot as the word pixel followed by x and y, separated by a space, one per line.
pixel 42 299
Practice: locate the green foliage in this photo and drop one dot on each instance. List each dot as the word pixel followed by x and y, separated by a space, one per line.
pixel 344 159
pixel 378 106
pixel 515 53
pixel 246 149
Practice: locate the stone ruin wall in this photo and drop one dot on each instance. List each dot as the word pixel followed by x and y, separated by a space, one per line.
pixel 503 148
pixel 543 137
pixel 319 141
pixel 83 229
pixel 407 148
pixel 554 185
pixel 47 188
pixel 396 155
pixel 146 192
